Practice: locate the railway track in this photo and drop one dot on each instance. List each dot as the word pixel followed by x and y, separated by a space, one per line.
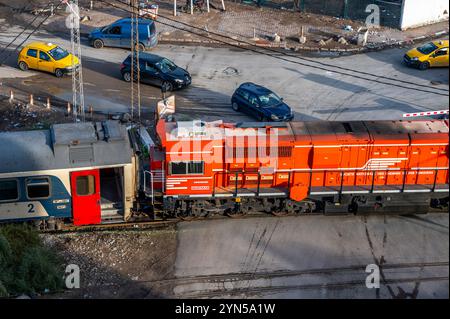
pixel 159 224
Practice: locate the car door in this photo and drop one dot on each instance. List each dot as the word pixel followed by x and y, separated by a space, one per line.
pixel 152 74
pixel 242 97
pixel 113 36
pixel 254 107
pixel 439 57
pixel 31 58
pixel 45 62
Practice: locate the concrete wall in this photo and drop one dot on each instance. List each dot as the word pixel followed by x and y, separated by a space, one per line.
pixel 421 12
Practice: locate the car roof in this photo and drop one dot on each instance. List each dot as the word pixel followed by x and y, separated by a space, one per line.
pixel 128 20
pixel 41 45
pixel 152 58
pixel 254 88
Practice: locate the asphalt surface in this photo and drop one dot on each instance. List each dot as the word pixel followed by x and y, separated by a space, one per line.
pixel 314 257
pixel 313 93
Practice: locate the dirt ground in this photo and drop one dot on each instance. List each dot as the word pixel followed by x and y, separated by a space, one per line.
pixel 118 264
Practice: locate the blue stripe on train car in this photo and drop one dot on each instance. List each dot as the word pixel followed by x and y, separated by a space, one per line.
pixel 58 205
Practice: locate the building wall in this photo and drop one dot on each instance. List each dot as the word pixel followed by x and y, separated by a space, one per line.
pixel 421 12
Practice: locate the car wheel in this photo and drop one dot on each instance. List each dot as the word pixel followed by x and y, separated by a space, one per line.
pixel 262 118
pixel 126 76
pixel 235 106
pixel 167 86
pixel 23 66
pixel 98 44
pixel 59 73
pixel 424 65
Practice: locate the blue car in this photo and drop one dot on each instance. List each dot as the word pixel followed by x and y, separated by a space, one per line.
pixel 118 34
pixel 261 103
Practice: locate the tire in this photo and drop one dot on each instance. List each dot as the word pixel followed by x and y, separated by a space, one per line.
pixel 98 44
pixel 262 118
pixel 23 66
pixel 235 106
pixel 424 66
pixel 59 73
pixel 167 85
pixel 126 77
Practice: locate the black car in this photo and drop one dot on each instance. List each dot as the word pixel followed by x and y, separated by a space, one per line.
pixel 261 103
pixel 158 71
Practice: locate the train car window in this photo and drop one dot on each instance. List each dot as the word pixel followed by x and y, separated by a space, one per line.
pixel 38 188
pixel 9 190
pixel 195 168
pixel 85 185
pixel 178 168
pixel 186 168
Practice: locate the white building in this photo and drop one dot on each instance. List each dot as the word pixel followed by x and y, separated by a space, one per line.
pixel 417 13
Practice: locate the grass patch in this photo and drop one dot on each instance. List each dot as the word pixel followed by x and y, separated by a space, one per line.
pixel 26 265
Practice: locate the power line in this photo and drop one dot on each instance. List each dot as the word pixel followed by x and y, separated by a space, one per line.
pixel 323 67
pixel 29 35
pixel 28 25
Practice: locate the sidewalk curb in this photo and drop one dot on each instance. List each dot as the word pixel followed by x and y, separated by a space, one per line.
pixel 299 48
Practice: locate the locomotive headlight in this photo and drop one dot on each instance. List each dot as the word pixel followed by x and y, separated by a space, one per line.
pixel 274 117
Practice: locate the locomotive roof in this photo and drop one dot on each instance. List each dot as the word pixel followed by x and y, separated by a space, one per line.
pixel 72 145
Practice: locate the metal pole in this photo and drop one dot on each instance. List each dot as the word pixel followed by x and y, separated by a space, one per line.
pixel 192 6
pixel 223 5
pixel 207 5
pixel 174 8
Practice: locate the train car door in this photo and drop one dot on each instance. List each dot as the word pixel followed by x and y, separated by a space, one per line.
pixel 86 197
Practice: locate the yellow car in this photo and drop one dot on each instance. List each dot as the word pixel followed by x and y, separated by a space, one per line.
pixel 432 54
pixel 47 57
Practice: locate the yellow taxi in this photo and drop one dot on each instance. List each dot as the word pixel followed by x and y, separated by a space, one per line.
pixel 47 57
pixel 432 54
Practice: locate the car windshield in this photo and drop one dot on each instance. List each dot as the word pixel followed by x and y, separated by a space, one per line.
pixel 166 65
pixel 427 48
pixel 58 53
pixel 269 100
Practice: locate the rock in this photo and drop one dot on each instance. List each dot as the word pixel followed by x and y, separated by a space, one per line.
pixel 302 40
pixel 85 18
pixel 23 296
pixel 348 28
pixel 321 42
pixel 342 40
pixel 276 38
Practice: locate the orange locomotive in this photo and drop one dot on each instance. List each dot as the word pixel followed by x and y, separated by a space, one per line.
pixel 299 167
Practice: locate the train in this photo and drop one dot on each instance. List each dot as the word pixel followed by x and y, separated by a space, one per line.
pixel 107 172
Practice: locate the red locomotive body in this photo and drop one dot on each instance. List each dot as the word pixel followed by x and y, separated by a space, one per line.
pixel 303 166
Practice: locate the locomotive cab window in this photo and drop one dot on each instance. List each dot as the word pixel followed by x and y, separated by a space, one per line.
pixel 85 185
pixel 9 190
pixel 38 188
pixel 186 168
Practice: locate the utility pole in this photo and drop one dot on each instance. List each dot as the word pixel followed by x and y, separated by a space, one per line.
pixel 77 72
pixel 135 67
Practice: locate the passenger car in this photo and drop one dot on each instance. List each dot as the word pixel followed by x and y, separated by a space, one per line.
pixel 47 57
pixel 432 54
pixel 118 34
pixel 260 103
pixel 158 71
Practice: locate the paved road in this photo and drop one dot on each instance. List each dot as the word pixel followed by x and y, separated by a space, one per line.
pixel 314 257
pixel 312 92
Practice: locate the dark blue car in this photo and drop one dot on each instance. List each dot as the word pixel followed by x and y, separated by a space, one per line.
pixel 261 103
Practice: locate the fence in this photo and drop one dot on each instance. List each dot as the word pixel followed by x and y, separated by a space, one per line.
pixel 390 11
